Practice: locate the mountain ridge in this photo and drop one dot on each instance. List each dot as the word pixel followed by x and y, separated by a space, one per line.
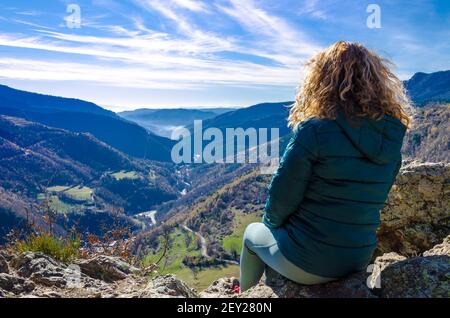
pixel 107 126
pixel 76 173
pixel 14 97
pixel 424 88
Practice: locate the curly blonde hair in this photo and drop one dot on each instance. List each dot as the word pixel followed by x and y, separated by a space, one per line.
pixel 349 78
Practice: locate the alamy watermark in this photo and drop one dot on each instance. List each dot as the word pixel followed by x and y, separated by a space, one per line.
pixel 73 276
pixel 374 18
pixel 374 279
pixel 237 145
pixel 73 20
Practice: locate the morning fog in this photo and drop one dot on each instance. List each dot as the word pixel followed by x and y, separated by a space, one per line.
pixel 237 145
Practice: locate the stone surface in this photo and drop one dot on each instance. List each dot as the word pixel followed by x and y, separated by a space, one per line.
pixel 40 269
pixel 106 268
pixel 167 286
pixel 15 285
pixel 4 267
pixel 221 288
pixel 417 277
pixel 353 286
pixel 416 215
pixel 379 265
pixel 393 276
pixel 34 275
pixel 441 249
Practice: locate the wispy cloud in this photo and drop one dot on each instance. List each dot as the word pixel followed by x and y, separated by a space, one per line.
pixel 193 5
pixel 166 9
pixel 137 55
pixel 280 40
pixel 136 76
pixel 313 9
pixel 199 45
pixel 29 13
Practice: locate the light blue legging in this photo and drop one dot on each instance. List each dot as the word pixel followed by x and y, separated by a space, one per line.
pixel 259 249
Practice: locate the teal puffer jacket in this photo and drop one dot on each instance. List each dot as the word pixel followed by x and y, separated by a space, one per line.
pixel 325 199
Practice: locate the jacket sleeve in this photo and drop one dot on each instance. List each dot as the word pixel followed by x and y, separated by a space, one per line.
pixel 396 171
pixel 286 191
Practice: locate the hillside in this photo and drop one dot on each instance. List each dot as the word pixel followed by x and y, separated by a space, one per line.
pixel 76 173
pixel 428 138
pixel 266 115
pixel 17 99
pixel 429 88
pixel 81 116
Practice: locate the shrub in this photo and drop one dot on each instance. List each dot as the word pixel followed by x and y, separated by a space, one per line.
pixel 60 249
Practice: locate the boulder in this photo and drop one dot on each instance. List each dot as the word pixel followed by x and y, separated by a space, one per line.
pixel 167 286
pixel 106 268
pixel 221 288
pixel 415 217
pixel 354 286
pixel 417 277
pixel 15 285
pixel 392 276
pixel 40 269
pixel 379 265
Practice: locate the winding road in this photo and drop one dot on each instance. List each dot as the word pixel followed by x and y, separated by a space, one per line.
pixel 147 215
pixel 204 247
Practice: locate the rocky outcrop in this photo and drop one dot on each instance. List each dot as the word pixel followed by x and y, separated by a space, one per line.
pixel 14 285
pixel 416 216
pixel 380 263
pixel 38 275
pixel 40 269
pixel 4 267
pixel 391 276
pixel 167 286
pixel 106 268
pixel 417 277
pixel 352 287
pixel 221 288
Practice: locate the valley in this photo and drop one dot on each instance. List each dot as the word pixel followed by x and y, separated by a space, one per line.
pixel 164 122
pixel 96 169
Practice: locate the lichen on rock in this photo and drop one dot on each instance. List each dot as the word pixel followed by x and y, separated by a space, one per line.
pixel 416 216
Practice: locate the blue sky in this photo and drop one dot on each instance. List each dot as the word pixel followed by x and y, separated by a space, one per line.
pixel 192 53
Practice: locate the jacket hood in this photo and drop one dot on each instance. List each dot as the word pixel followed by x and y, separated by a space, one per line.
pixel 378 140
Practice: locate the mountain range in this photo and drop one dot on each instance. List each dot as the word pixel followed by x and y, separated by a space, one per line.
pixel 89 163
pixel 426 88
pixel 80 116
pixel 422 88
pixel 164 121
pixel 77 175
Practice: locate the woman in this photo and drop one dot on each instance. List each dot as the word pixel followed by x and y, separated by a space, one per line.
pixel 324 201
